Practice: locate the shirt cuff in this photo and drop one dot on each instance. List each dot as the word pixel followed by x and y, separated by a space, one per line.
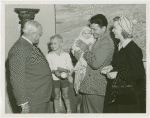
pixel 23 104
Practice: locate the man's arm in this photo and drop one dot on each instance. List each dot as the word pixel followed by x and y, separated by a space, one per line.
pixel 17 71
pixel 96 60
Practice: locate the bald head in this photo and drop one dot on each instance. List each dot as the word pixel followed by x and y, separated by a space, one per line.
pixel 33 31
pixel 31 26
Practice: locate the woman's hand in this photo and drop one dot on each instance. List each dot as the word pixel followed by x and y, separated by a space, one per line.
pixel 112 75
pixel 106 69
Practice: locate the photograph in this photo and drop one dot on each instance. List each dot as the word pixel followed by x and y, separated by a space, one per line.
pixel 74 58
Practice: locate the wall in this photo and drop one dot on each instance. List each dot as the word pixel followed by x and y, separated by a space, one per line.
pixel 71 17
pixel 46 17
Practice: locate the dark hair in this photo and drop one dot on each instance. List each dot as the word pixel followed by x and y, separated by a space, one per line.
pixel 123 33
pixel 99 19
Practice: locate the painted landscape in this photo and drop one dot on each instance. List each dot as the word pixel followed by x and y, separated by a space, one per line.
pixel 70 18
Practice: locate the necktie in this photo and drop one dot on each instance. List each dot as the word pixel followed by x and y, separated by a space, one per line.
pixel 35 45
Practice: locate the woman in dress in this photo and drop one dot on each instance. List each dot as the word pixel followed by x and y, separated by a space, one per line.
pixel 126 72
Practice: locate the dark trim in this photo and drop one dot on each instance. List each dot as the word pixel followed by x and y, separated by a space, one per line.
pixel 55 16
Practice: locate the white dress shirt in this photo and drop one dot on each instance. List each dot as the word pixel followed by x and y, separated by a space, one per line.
pixel 55 60
pixel 27 39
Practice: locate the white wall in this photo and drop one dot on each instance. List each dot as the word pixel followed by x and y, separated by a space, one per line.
pixel 46 17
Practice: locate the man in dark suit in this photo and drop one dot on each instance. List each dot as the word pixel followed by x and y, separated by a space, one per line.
pixel 93 87
pixel 30 74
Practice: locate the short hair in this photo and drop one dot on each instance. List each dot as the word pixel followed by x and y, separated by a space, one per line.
pixel 99 19
pixel 58 36
pixel 31 25
pixel 124 33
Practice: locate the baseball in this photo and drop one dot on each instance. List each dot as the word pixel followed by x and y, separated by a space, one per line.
pixel 63 75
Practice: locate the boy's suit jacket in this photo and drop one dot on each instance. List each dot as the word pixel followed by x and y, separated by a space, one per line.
pixel 99 57
pixel 30 74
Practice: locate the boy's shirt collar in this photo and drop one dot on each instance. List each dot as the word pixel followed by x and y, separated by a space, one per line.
pixel 61 52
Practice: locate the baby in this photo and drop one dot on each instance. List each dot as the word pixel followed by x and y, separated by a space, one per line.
pixel 80 68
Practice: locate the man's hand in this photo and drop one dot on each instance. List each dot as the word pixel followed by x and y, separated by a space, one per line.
pixel 77 54
pixel 82 45
pixel 25 108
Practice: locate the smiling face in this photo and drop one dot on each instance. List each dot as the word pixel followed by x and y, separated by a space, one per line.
pixel 117 30
pixel 86 33
pixel 97 31
pixel 56 44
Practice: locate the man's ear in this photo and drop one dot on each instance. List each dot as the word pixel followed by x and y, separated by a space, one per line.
pixel 30 32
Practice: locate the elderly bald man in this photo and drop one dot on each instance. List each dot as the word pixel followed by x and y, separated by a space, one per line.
pixel 30 74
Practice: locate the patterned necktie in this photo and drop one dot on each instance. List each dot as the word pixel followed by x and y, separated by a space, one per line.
pixel 35 45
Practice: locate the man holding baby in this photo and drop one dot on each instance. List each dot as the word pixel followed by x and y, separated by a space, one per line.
pixel 93 86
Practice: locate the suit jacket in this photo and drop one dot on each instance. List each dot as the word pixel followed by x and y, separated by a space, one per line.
pixel 30 74
pixel 99 57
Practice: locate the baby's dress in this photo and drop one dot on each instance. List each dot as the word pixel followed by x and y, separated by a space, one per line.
pixel 80 68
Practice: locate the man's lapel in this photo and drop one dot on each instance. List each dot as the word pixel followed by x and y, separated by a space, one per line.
pixel 40 52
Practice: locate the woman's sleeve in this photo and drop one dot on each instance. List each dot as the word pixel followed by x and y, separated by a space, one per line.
pixel 135 57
